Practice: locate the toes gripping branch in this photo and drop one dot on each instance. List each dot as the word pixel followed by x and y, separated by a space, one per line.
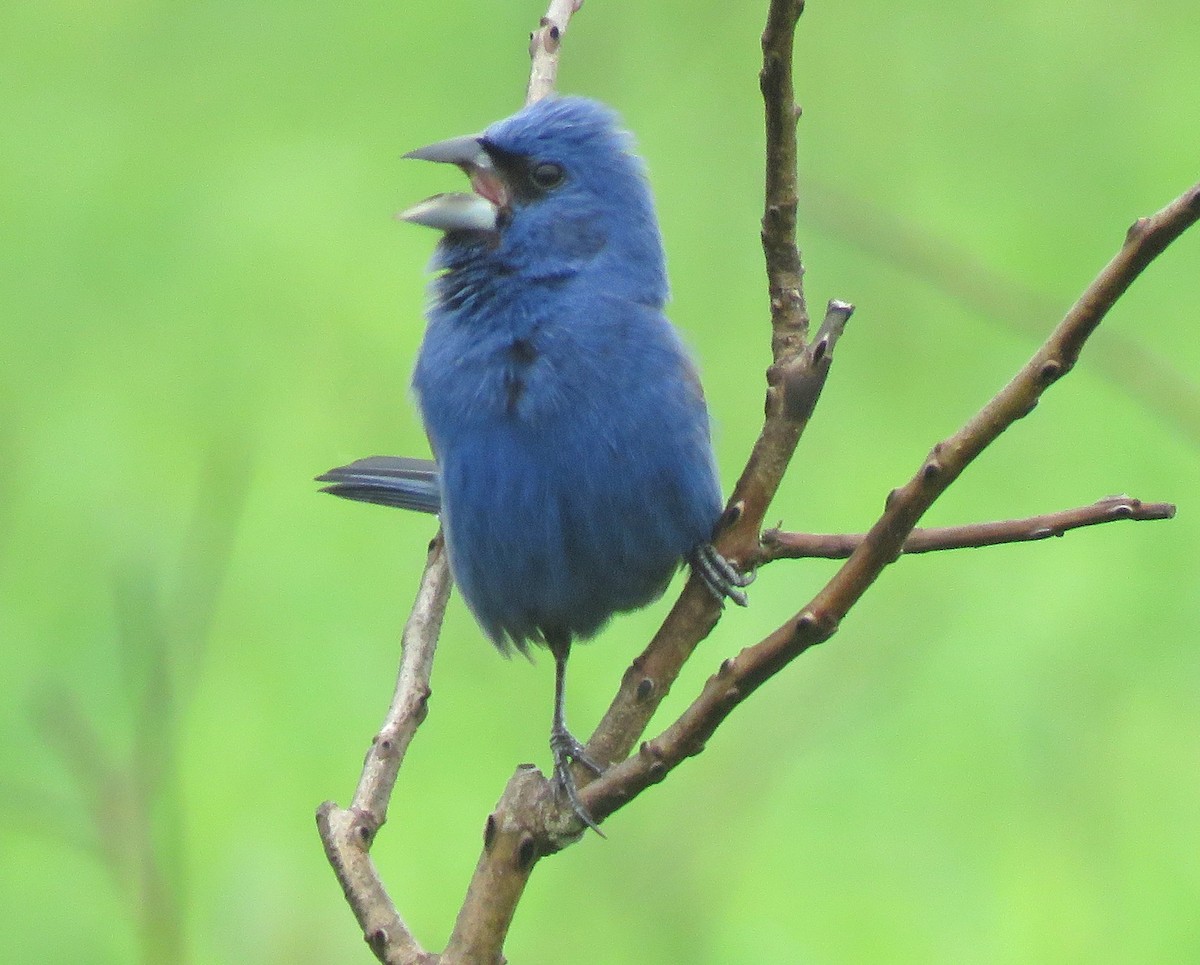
pixel 723 579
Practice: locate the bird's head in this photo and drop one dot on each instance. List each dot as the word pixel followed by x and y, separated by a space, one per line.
pixel 557 194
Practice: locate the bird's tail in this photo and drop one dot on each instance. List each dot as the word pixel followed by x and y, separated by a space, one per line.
pixel 387 481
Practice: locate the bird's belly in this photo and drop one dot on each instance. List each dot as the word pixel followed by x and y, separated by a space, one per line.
pixel 556 532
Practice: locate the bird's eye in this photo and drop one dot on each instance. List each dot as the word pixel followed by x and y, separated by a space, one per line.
pixel 547 175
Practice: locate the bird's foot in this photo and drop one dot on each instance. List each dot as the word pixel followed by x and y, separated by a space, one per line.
pixel 567 750
pixel 722 578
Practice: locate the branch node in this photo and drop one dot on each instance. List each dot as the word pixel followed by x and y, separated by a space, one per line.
pixel 527 852
pixel 1051 370
pixel 645 689
pixel 733 512
pixel 1137 229
pixel 813 628
pixel 657 769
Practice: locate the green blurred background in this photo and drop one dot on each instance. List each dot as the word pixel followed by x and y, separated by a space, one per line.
pixel 204 301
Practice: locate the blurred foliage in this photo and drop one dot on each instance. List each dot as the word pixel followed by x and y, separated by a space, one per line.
pixel 205 303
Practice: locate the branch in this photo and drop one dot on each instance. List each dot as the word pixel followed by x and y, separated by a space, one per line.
pixel 543 48
pixel 528 821
pixel 740 676
pixel 514 836
pixel 792 387
pixel 778 545
pixel 794 383
pixel 348 833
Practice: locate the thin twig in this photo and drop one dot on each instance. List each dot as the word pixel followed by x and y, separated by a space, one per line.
pixel 544 44
pixel 740 676
pixel 348 833
pixel 794 383
pixel 779 545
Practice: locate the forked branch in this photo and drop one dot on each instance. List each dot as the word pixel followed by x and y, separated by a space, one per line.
pixel 529 822
pixel 347 833
pixel 740 676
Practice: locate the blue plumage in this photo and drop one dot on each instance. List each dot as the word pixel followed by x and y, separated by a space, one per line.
pixel 574 465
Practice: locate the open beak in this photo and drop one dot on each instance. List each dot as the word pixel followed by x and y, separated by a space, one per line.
pixel 460 211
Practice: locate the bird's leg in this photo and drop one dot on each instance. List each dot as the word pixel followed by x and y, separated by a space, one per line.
pixel 563 745
pixel 719 575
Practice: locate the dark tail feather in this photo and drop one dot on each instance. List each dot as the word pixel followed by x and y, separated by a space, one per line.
pixel 387 481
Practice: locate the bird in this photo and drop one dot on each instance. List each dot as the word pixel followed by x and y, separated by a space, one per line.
pixel 573 467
